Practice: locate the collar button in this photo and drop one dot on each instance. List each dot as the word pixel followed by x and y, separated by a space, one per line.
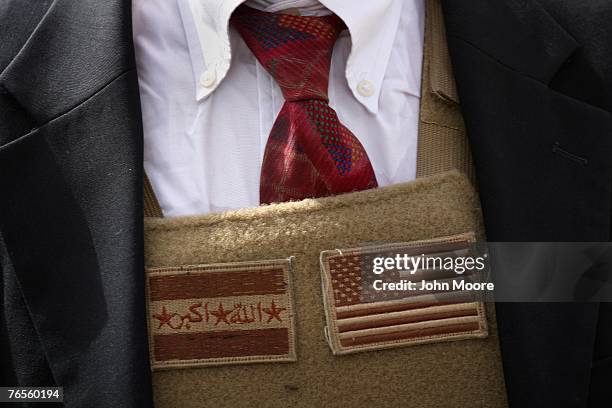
pixel 365 88
pixel 208 78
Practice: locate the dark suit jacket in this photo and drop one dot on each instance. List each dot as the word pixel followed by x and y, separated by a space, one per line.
pixel 535 82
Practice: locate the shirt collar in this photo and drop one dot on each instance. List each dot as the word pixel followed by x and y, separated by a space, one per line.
pixel 372 27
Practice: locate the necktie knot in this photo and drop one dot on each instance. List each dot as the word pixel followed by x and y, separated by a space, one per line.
pixel 309 153
pixel 295 50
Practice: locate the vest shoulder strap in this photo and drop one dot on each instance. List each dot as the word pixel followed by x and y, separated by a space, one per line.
pixel 443 143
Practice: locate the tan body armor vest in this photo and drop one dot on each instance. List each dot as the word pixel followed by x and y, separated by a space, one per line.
pixel 261 307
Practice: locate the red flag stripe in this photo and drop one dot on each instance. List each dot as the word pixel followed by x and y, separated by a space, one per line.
pixel 424 332
pixel 224 344
pixel 216 284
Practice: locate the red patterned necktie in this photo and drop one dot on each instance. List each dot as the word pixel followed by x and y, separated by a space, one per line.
pixel 309 153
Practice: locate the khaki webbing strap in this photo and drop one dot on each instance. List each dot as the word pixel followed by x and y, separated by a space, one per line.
pixel 443 143
pixel 151 205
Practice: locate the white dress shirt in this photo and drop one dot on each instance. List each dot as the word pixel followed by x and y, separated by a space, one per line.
pixel 208 105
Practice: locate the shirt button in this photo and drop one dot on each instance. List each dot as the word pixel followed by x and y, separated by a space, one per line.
pixel 365 88
pixel 208 78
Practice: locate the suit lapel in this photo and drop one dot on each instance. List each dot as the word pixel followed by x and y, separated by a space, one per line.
pixel 76 49
pixel 71 213
pixel 519 34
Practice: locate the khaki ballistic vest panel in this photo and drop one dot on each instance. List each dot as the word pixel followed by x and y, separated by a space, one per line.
pixel 432 372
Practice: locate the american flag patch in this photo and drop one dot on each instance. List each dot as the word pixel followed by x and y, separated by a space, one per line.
pixel 221 314
pixel 360 318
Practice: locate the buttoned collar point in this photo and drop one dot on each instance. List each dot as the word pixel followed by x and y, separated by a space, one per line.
pixel 372 27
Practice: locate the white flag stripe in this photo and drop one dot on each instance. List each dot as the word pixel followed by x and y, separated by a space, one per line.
pixel 408 303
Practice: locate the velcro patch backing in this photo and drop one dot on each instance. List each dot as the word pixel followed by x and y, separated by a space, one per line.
pixel 361 319
pixel 220 314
